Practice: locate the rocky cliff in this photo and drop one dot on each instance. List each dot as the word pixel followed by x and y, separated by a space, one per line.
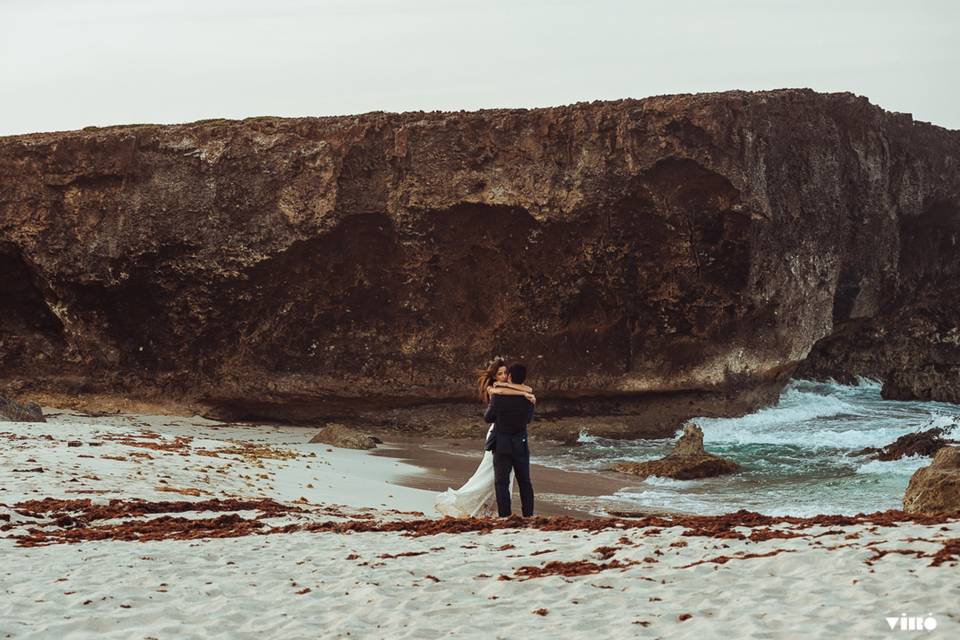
pixel 651 259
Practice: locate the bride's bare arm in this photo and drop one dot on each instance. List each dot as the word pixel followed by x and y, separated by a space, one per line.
pixel 507 389
pixel 516 387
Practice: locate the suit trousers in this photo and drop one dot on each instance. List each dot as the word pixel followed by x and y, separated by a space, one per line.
pixel 512 452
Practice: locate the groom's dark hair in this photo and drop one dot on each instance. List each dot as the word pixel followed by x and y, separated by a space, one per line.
pixel 518 372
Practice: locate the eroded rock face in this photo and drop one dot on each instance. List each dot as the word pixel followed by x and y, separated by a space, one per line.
pixel 936 489
pixel 687 461
pixel 679 252
pixel 913 347
pixel 912 341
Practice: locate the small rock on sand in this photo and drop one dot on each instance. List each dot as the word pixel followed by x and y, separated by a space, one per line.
pixel 338 435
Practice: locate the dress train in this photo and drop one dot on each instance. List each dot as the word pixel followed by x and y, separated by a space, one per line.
pixel 477 498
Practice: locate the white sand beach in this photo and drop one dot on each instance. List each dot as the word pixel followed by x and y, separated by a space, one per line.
pixel 244 531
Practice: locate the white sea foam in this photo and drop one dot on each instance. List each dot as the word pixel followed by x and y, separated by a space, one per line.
pixel 811 437
pixel 864 383
pixel 586 438
pixel 802 511
pixel 664 499
pixel 905 466
pixel 795 407
pixel 864 386
pixel 944 421
pixel 658 481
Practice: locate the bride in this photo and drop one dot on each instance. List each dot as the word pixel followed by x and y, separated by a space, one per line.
pixel 477 498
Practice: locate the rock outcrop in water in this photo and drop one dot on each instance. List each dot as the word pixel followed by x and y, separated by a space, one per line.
pixel 922 443
pixel 688 461
pixel 651 259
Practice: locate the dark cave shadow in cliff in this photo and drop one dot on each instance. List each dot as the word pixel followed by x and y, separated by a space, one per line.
pixel 930 247
pixel 30 334
pixel 448 280
pixel 341 301
pixel 692 266
pixel 138 315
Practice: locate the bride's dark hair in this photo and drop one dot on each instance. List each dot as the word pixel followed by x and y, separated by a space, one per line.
pixel 487 376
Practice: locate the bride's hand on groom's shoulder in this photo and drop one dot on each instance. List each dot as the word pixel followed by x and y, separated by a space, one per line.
pixel 532 398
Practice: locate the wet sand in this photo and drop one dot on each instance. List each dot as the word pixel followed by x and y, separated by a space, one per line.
pixel 557 492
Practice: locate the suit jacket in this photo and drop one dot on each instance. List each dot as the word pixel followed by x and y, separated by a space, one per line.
pixel 510 416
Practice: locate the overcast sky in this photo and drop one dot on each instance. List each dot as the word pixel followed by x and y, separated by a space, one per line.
pixel 66 64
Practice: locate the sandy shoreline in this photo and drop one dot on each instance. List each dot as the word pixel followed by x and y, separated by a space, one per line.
pixel 160 527
pixel 558 492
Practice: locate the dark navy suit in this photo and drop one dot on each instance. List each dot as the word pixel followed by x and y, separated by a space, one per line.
pixel 510 415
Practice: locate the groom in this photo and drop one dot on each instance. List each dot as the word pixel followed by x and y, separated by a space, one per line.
pixel 510 415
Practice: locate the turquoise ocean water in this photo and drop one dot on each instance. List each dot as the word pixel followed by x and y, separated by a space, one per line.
pixel 793 455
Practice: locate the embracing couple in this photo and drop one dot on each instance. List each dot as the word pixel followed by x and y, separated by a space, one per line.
pixel 509 410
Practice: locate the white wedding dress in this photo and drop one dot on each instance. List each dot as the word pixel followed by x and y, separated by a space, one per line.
pixel 477 498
